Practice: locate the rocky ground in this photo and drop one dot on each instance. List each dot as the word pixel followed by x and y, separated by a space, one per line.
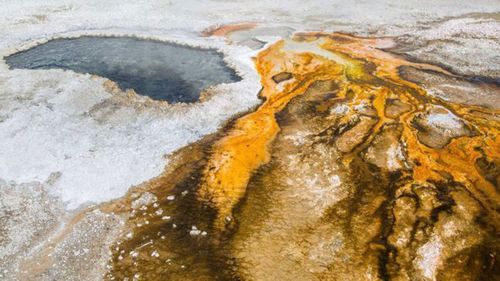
pixel 366 159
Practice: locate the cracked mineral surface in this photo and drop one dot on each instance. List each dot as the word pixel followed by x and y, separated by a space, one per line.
pixel 362 143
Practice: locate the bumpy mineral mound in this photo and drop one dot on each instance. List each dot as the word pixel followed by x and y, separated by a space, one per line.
pixel 346 171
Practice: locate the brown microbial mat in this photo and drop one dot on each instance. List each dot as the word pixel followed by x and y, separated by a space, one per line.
pixel 350 169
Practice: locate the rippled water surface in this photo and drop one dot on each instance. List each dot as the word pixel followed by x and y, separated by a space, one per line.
pixel 162 71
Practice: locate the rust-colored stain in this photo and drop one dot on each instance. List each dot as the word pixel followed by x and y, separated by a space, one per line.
pixel 224 30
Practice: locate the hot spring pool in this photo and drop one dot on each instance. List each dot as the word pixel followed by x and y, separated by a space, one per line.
pixel 160 70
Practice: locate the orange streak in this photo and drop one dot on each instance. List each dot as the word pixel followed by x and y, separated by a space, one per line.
pixel 223 31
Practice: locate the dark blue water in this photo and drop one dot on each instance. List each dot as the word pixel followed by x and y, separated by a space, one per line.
pixel 162 71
